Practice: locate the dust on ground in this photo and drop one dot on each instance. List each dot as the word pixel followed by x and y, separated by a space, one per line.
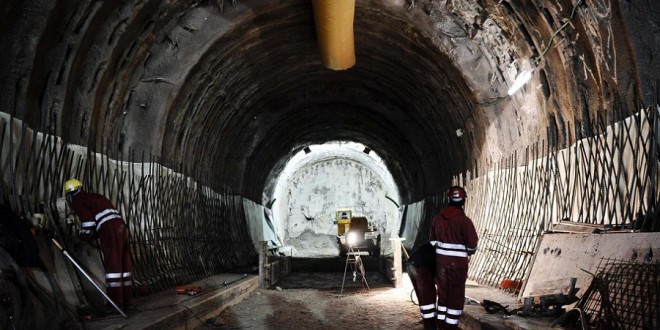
pixel 325 293
pixel 378 308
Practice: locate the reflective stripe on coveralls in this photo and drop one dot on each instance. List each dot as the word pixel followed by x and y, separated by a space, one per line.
pixel 453 315
pixel 427 311
pixel 449 315
pixel 118 284
pixel 449 249
pixel 124 279
pixel 105 215
pixel 441 312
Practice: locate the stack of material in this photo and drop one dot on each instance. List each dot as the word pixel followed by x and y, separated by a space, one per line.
pixel 566 226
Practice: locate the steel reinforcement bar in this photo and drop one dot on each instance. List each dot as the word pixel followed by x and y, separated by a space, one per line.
pixel 181 231
pixel 609 179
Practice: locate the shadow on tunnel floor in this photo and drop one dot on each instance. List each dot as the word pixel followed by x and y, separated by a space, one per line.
pixel 328 274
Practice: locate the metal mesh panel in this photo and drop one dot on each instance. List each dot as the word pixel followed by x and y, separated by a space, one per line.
pixel 181 231
pixel 623 295
pixel 609 179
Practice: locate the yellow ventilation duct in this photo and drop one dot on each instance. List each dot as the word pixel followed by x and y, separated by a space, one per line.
pixel 334 29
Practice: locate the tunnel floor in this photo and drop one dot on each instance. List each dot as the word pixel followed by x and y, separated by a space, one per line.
pixel 328 274
pixel 318 305
pixel 311 297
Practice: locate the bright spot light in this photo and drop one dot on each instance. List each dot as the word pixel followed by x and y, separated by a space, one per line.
pixel 523 77
pixel 351 238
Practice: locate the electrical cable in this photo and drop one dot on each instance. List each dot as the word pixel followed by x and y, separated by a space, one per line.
pixel 494 101
pixel 538 58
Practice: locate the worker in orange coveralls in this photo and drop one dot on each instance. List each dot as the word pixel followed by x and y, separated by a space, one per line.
pixel 421 269
pixel 454 238
pixel 99 218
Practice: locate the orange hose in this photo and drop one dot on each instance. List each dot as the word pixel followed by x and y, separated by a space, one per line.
pixel 334 30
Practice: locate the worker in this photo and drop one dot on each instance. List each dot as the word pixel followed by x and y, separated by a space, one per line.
pixel 421 269
pixel 455 239
pixel 99 218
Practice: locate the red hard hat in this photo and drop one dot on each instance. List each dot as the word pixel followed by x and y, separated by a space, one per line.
pixel 456 193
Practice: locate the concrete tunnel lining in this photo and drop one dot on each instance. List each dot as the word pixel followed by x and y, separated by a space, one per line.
pixel 229 92
pixel 176 66
pixel 150 71
pixel 293 103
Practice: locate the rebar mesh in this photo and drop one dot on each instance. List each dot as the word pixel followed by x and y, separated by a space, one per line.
pixel 623 295
pixel 609 179
pixel 181 231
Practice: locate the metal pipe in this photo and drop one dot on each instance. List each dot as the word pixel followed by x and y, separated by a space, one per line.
pixel 91 280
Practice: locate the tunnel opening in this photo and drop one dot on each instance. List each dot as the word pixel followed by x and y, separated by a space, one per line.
pixel 322 178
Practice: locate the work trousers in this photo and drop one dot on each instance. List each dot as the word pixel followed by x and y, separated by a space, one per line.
pixel 450 280
pixel 115 246
pixel 424 284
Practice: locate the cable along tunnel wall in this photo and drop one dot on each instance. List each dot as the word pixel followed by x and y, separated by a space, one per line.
pixel 609 180
pixel 181 231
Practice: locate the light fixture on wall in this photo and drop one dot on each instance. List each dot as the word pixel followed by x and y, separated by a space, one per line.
pixel 523 77
pixel 526 74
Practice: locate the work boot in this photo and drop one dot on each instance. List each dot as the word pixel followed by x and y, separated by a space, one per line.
pixel 429 324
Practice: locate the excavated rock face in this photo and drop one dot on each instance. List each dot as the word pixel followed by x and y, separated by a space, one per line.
pixel 232 89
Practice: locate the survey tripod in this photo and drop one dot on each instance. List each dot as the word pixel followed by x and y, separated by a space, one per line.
pixel 357 266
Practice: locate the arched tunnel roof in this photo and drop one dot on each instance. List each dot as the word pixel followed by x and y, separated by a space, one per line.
pixel 232 90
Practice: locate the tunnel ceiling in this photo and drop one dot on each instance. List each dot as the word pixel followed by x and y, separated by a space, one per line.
pixel 230 90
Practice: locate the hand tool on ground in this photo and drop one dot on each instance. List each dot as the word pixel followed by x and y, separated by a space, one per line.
pixel 75 263
pixel 469 300
pixel 191 290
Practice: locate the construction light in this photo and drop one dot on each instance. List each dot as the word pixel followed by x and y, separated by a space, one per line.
pixel 351 238
pixel 522 78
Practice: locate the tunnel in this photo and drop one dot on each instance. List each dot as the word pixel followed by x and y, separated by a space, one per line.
pixel 215 125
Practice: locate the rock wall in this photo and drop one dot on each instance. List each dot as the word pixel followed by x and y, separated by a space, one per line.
pixel 315 192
